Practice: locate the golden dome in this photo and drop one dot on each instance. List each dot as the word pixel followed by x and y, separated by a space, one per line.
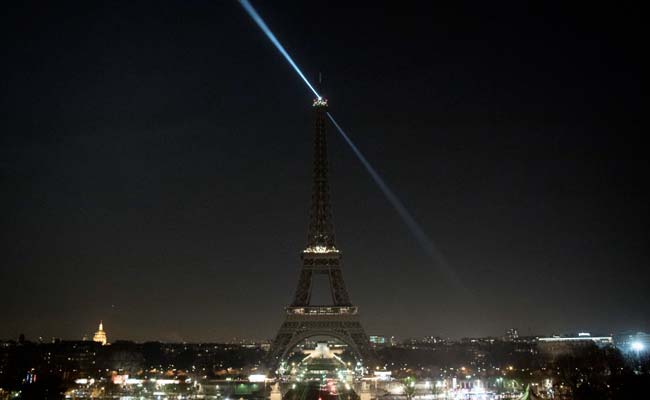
pixel 100 335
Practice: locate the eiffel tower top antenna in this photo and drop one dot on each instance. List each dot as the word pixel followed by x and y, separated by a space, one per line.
pixel 319 85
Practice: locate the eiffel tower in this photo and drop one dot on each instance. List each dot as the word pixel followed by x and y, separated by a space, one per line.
pixel 339 319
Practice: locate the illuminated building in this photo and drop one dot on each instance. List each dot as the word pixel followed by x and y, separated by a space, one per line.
pixel 512 334
pixel 557 345
pixel 100 335
pixel 376 340
pixel 582 337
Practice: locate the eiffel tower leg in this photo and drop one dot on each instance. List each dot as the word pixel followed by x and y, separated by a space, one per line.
pixel 303 291
pixel 280 345
pixel 366 352
pixel 339 293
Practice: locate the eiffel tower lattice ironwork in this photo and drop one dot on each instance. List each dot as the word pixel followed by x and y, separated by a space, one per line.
pixel 339 319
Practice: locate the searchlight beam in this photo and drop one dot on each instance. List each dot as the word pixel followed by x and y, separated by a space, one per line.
pixel 262 25
pixel 416 230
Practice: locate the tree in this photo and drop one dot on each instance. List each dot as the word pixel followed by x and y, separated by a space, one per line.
pixel 588 373
pixel 409 387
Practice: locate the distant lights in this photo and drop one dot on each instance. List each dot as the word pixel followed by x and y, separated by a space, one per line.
pixel 320 102
pixel 257 378
pixel 320 249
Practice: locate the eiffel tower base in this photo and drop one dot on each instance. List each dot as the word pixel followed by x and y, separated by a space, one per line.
pixel 344 327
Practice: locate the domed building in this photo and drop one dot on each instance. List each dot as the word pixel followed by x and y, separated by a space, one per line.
pixel 100 335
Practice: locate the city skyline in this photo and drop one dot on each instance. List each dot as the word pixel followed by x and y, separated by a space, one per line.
pixel 510 334
pixel 158 169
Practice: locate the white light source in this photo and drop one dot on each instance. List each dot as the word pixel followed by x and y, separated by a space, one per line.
pixel 637 346
pixel 257 378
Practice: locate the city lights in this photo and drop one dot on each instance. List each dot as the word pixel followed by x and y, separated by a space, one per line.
pixel 257 378
pixel 320 249
pixel 147 165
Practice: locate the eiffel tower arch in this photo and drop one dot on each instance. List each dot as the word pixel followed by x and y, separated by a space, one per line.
pixel 339 319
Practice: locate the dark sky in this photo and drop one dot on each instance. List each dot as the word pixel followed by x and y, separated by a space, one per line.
pixel 155 166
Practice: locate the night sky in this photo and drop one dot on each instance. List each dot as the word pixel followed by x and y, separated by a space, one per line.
pixel 155 166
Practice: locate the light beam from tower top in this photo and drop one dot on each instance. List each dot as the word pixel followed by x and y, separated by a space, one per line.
pixel 262 25
pixel 321 103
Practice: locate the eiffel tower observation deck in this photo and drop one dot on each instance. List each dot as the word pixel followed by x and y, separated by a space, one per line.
pixel 339 319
